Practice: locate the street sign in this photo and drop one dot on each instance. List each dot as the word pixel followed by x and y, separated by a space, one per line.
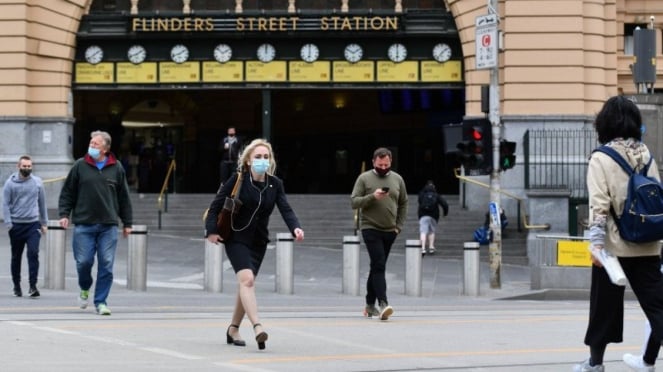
pixel 486 41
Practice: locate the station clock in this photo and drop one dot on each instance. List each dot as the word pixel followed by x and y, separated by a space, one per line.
pixel 179 53
pixel 94 54
pixel 223 53
pixel 353 53
pixel 397 52
pixel 266 53
pixel 441 52
pixel 309 52
pixel 136 54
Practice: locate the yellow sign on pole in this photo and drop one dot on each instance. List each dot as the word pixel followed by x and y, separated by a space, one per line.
pixel 229 72
pixel 274 71
pixel 101 73
pixel 573 253
pixel 129 73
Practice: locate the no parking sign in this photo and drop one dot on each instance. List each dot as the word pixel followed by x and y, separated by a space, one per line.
pixel 486 41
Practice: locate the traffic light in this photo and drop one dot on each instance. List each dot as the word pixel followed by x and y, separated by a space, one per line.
pixel 475 151
pixel 507 154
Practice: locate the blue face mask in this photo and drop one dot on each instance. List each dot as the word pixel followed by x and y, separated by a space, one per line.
pixel 260 166
pixel 94 153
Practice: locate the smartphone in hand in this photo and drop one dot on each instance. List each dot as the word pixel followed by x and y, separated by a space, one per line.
pixel 385 189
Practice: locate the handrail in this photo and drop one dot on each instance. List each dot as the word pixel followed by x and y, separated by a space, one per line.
pixel 519 199
pixel 356 217
pixel 164 187
pixel 54 179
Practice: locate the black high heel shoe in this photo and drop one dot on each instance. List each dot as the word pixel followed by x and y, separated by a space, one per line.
pixel 231 340
pixel 260 337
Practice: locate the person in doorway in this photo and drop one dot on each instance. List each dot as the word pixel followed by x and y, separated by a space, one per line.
pixel 429 214
pixel 230 147
pixel 26 218
pixel 96 195
pixel 619 125
pixel 261 190
pixel 381 196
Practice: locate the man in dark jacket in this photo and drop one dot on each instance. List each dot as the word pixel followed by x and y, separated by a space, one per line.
pixel 96 195
pixel 429 214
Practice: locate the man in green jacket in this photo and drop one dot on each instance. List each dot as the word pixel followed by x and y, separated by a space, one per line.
pixel 96 195
pixel 381 195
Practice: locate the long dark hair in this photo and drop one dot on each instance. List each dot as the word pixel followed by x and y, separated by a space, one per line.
pixel 619 117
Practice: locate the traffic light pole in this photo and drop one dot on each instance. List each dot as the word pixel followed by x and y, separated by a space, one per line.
pixel 495 247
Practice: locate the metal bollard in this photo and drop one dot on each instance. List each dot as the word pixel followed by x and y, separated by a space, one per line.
pixel 137 259
pixel 213 281
pixel 413 267
pixel 471 268
pixel 54 270
pixel 351 265
pixel 284 263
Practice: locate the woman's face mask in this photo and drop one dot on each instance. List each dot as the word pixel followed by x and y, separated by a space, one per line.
pixel 260 166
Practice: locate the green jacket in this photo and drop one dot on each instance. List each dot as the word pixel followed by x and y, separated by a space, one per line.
pixel 387 214
pixel 96 196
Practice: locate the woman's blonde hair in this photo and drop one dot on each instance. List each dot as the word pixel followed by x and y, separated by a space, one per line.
pixel 245 156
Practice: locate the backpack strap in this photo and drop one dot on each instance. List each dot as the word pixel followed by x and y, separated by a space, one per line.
pixel 620 160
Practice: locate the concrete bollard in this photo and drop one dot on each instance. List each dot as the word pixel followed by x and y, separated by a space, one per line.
pixel 471 268
pixel 413 268
pixel 351 265
pixel 284 263
pixel 137 259
pixel 213 280
pixel 54 268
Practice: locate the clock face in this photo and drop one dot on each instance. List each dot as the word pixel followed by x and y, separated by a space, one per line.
pixel 353 53
pixel 136 54
pixel 397 52
pixel 266 53
pixel 309 52
pixel 179 53
pixel 94 54
pixel 441 52
pixel 223 52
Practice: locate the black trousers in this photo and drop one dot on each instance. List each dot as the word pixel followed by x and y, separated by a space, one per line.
pixel 606 306
pixel 226 169
pixel 20 235
pixel 378 243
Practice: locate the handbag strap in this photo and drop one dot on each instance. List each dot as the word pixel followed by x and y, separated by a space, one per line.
pixel 238 185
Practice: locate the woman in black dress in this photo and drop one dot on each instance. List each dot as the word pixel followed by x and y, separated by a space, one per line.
pixel 246 247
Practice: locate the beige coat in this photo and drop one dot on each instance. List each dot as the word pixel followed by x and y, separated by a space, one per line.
pixel 607 186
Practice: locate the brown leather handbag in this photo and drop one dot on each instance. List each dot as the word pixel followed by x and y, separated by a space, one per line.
pixel 231 207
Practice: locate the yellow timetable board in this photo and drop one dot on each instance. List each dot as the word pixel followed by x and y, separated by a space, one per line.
pixel 101 73
pixel 360 72
pixel 314 72
pixel 573 253
pixel 274 71
pixel 407 71
pixel 129 73
pixel 171 72
pixel 229 72
pixel 433 71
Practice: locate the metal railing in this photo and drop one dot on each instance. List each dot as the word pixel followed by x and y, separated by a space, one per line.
pixel 162 200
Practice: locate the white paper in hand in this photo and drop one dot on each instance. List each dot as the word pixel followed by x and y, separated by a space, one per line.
pixel 610 264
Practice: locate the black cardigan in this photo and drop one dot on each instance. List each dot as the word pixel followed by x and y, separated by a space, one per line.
pixel 247 229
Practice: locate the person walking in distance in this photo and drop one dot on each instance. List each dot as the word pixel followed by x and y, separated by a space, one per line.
pixel 429 214
pixel 26 218
pixel 619 126
pixel 96 195
pixel 260 192
pixel 381 196
pixel 230 147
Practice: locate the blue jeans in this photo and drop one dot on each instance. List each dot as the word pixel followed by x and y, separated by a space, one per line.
pixel 100 240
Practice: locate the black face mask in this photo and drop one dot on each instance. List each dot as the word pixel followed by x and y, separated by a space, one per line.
pixel 25 172
pixel 382 172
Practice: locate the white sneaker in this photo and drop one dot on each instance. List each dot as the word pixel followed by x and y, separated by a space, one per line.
pixel 585 367
pixel 385 310
pixel 636 363
pixel 83 299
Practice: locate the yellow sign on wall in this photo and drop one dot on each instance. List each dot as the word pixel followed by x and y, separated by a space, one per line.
pixel 171 72
pixel 229 72
pixel 101 73
pixel 129 73
pixel 270 72
pixel 433 71
pixel 573 253
pixel 304 72
pixel 360 72
pixel 398 72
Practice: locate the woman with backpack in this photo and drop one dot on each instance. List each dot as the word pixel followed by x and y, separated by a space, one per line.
pixel 619 126
pixel 429 214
